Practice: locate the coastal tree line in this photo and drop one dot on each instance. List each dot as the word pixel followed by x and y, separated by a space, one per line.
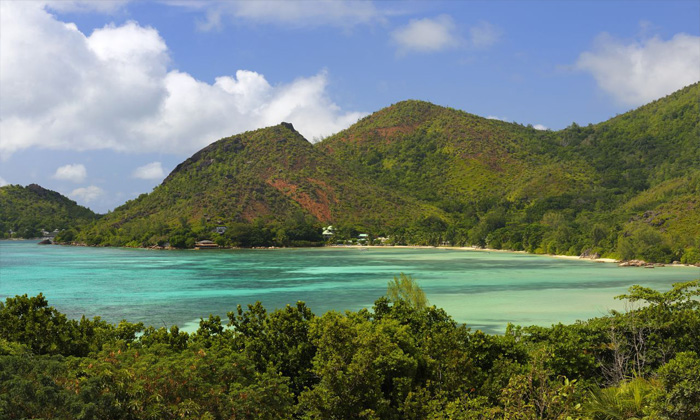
pixel 401 359
pixel 502 226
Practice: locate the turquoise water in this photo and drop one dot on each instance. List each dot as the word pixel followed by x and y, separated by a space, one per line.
pixel 485 290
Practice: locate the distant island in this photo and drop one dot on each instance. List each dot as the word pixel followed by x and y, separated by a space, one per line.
pixel 417 174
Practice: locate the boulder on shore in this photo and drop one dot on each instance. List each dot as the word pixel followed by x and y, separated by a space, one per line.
pixel 635 263
pixel 589 254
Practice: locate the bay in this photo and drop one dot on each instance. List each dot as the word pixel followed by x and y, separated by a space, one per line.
pixel 486 290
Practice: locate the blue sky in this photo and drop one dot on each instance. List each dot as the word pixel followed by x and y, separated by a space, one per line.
pixel 100 100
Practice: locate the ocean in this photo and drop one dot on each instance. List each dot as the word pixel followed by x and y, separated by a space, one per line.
pixel 485 290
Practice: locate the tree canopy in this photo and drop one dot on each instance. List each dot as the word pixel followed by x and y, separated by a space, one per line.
pixel 393 361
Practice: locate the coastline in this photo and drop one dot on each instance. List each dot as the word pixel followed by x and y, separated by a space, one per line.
pixel 472 248
pixel 621 263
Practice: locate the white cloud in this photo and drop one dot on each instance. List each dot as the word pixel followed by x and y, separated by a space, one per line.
pixel 113 90
pixel 3 182
pixel 74 173
pixel 427 35
pixel 87 194
pixel 506 119
pixel 441 33
pixel 484 35
pixel 638 72
pixel 102 6
pixel 339 13
pixel 153 170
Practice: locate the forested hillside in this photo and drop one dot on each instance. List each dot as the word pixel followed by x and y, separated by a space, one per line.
pixel 25 211
pixel 266 187
pixel 417 173
pixel 627 187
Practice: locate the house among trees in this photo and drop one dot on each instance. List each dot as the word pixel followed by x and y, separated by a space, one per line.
pixel 328 232
pixel 363 238
pixel 49 235
pixel 220 230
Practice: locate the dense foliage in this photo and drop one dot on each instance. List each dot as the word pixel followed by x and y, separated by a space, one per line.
pixel 417 173
pixel 396 361
pixel 626 188
pixel 26 211
pixel 267 187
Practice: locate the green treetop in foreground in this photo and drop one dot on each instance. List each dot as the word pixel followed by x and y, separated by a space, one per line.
pixel 396 361
pixel 405 288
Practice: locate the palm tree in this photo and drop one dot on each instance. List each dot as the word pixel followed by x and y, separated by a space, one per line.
pixel 629 400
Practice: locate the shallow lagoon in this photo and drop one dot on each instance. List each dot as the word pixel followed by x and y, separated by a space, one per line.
pixel 486 290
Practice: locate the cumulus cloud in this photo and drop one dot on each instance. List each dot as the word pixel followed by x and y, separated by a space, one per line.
pixel 113 90
pixel 87 194
pixel 484 35
pixel 74 173
pixel 427 35
pixel 493 117
pixel 635 73
pixel 3 182
pixel 540 127
pixel 441 33
pixel 153 170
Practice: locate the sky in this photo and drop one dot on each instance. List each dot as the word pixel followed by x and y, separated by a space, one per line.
pixel 101 100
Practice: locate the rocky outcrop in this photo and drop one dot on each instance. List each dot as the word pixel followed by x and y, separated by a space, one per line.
pixel 639 263
pixel 589 254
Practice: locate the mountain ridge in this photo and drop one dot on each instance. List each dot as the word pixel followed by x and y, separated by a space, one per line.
pixel 420 173
pixel 272 178
pixel 26 211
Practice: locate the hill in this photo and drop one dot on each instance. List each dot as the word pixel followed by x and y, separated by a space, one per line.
pixel 419 173
pixel 603 188
pixel 455 158
pixel 26 211
pixel 266 187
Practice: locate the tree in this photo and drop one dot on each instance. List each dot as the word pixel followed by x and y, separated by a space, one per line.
pixel 407 289
pixel 628 400
pixel 680 380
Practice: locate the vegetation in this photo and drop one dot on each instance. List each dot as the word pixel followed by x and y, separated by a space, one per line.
pixel 405 288
pixel 417 173
pixel 26 211
pixel 267 187
pixel 625 188
pixel 396 361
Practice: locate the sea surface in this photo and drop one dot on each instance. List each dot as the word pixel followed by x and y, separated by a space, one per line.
pixel 486 290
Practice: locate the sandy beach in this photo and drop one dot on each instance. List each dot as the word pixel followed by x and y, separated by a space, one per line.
pixel 472 248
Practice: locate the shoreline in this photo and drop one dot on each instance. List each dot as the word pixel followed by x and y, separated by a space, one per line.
pixel 472 248
pixel 443 247
pixel 620 263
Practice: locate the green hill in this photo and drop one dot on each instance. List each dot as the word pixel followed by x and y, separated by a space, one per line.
pixel 25 211
pixel 453 158
pixel 657 142
pixel 424 174
pixel 267 187
pixel 625 187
